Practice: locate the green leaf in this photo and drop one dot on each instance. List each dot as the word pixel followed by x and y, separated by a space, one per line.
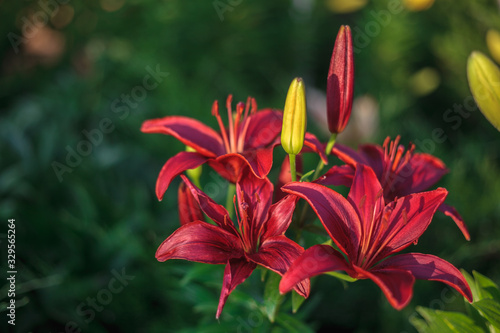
pixel 297 301
pixel 305 177
pixel 272 296
pixel 292 324
pixel 443 321
pixel 489 309
pixel 486 287
pixel 341 276
pixel 472 284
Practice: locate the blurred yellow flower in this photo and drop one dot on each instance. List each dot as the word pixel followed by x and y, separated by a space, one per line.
pixel 493 42
pixel 343 6
pixel 417 5
pixel 484 83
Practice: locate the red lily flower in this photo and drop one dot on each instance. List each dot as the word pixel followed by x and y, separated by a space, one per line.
pixel 188 208
pixel 399 173
pixel 367 231
pixel 248 140
pixel 258 240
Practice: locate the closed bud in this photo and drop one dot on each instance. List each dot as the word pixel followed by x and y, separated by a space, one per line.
pixel 340 82
pixel 294 118
pixel 484 83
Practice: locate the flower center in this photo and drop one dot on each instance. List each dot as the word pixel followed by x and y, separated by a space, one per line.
pixel 395 161
pixel 234 134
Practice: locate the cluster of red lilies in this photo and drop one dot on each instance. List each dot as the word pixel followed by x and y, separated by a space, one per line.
pixel 387 209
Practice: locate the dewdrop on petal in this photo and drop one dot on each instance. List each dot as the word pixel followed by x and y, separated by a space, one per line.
pixel 484 83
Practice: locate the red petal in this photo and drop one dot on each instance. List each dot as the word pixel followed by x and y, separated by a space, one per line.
pixel 254 198
pixel 410 217
pixel 174 166
pixel 231 166
pixel 201 242
pixel 214 211
pixel 189 209
pixel 422 171
pixel 397 284
pixel 429 267
pixel 347 155
pixel 280 217
pixel 263 128
pixel 337 215
pixel 311 143
pixel 277 254
pixel 366 195
pixel 316 260
pixel 237 270
pixel 189 131
pixel 373 156
pixel 338 175
pixel 452 212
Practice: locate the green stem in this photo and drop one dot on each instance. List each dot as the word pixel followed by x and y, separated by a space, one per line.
pixel 231 190
pixel 293 168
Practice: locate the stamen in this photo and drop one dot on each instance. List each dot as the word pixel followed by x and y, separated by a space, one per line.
pixel 231 124
pixel 239 111
pixel 243 133
pixel 215 112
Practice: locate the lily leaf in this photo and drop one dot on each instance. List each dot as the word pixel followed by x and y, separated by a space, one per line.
pixel 297 301
pixel 489 309
pixel 341 276
pixel 272 296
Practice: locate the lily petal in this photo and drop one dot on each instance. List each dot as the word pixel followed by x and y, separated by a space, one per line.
pixel 214 211
pixel 201 242
pixel 338 175
pixel 280 217
pixel 277 254
pixel 191 132
pixel 237 270
pixel 174 166
pixel 366 195
pixel 429 267
pixel 263 128
pixel 231 166
pixel 410 217
pixel 421 172
pixel 452 212
pixel 396 284
pixel 189 209
pixel 254 197
pixel 311 143
pixel 335 213
pixel 315 260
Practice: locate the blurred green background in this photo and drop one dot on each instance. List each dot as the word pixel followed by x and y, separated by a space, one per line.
pixel 88 224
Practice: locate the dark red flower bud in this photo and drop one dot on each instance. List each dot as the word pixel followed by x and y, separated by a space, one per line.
pixel 340 82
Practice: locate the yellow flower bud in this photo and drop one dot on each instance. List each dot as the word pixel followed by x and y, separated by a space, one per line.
pixel 194 174
pixel 493 42
pixel 294 118
pixel 484 83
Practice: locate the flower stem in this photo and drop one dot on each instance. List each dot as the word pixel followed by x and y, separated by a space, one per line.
pixel 293 168
pixel 328 150
pixel 231 190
